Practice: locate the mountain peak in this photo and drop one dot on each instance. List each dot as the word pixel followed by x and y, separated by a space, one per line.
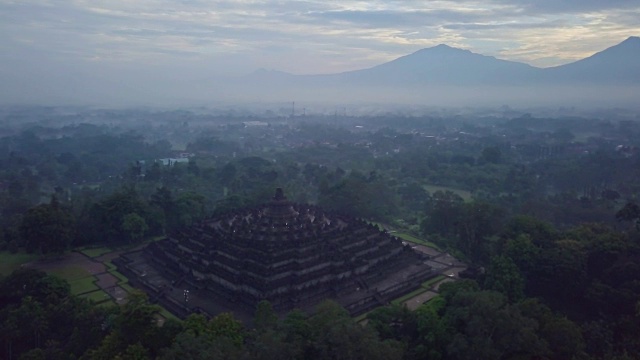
pixel 442 49
pixel 631 41
pixel 625 50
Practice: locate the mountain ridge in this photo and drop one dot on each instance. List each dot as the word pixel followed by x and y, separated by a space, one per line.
pixel 446 65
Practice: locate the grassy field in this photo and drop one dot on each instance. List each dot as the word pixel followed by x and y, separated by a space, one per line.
pixel 408 296
pixel 415 240
pixel 167 315
pixel 10 262
pixel 81 286
pixel 429 283
pixel 407 237
pixel 80 280
pixel 466 195
pixel 113 270
pixel 97 296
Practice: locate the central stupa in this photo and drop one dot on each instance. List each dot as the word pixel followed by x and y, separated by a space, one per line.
pixel 292 255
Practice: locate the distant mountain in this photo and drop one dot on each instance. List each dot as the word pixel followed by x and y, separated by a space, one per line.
pixel 443 75
pixel 445 65
pixel 619 64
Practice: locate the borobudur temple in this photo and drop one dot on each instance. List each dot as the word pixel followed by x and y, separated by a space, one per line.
pixel 293 255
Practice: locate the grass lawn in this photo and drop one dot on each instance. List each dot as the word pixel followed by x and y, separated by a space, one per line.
pixel 113 270
pixel 128 288
pixel 464 194
pixel 408 296
pixel 83 285
pixel 415 240
pixel 80 280
pixel 407 237
pixel 429 283
pixel 167 315
pixel 97 296
pixel 10 262
pixel 121 278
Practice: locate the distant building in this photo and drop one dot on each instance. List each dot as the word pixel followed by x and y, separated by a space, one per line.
pixel 172 161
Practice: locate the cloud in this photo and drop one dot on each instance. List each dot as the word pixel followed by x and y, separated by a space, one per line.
pixel 309 36
pixel 570 6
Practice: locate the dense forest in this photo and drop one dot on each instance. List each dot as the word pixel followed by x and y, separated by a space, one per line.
pixel 544 210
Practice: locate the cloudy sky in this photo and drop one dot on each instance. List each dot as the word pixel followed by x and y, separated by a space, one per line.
pixel 302 37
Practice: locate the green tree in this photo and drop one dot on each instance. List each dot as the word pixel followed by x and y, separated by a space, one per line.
pixel 190 207
pixel 135 322
pixel 503 276
pixel 336 336
pixel 478 223
pixel 47 228
pixel 163 199
pixel 135 226
pixel 297 333
pixel 393 322
pixel 484 326
pixel 220 338
pixel 630 213
pixel 523 253
pixel 443 213
pixel 106 218
pixel 265 318
pixel 134 352
pixel 561 334
pixel 433 332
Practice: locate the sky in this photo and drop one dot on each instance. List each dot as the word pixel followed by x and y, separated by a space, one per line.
pixel 77 51
pixel 302 37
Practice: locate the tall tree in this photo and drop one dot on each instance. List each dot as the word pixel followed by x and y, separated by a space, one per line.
pixel 503 276
pixel 47 228
pixel 134 226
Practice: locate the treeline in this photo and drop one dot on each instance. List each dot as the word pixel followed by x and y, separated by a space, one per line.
pixel 549 225
pixel 541 293
pixel 119 218
pixel 587 274
pixel 39 319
